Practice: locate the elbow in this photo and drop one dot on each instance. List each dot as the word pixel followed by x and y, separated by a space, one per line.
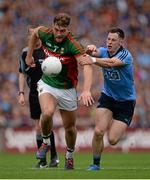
pixel 106 66
pixel 27 62
pixel 110 65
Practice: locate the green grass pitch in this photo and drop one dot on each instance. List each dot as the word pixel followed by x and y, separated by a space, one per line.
pixel 114 166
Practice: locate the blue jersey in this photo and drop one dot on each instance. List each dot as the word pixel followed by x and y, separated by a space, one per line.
pixel 119 81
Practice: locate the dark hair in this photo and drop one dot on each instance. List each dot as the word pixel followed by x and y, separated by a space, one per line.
pixel 62 19
pixel 119 31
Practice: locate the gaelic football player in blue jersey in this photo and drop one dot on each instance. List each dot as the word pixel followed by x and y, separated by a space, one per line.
pixel 117 101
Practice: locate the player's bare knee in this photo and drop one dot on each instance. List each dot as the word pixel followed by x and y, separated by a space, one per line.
pixel 47 113
pixel 112 141
pixel 98 133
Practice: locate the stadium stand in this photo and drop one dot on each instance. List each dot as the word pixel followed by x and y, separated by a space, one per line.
pixel 91 19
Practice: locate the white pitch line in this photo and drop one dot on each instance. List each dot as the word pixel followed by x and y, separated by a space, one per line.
pixel 84 169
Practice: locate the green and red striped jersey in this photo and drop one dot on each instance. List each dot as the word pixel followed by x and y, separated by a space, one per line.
pixel 66 51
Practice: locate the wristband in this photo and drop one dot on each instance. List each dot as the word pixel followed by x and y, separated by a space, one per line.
pixel 93 60
pixel 20 92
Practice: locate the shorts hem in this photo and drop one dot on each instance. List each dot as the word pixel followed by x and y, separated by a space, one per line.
pixel 128 124
pixel 73 109
pixel 47 93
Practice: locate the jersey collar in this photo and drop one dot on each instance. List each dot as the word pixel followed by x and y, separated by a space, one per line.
pixel 120 49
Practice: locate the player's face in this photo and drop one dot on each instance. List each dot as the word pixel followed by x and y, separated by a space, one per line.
pixel 59 33
pixel 113 42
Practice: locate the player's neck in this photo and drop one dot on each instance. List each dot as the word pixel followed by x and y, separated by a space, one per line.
pixel 114 52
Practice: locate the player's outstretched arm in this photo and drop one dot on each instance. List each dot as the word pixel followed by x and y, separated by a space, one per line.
pixel 86 96
pixel 31 46
pixel 102 62
pixel 107 62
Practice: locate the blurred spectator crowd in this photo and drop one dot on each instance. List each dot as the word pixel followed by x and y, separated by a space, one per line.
pixel 90 21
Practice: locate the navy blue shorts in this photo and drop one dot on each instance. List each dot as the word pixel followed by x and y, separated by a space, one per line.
pixel 122 110
pixel 35 109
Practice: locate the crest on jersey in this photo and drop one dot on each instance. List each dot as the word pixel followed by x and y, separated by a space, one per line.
pixel 62 50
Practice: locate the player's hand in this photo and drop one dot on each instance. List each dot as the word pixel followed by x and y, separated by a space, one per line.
pixel 91 48
pixel 85 60
pixel 21 100
pixel 30 61
pixel 86 98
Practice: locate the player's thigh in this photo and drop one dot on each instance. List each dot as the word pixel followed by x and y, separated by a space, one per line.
pixel 103 119
pixel 47 97
pixel 68 118
pixel 47 102
pixel 116 130
pixel 67 99
pixel 103 113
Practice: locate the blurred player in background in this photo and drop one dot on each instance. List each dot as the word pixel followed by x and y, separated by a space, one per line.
pixel 61 90
pixel 117 101
pixel 32 74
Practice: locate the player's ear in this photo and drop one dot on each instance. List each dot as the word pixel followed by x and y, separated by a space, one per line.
pixel 120 41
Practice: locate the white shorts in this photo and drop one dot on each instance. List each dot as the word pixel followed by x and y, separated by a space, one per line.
pixel 66 98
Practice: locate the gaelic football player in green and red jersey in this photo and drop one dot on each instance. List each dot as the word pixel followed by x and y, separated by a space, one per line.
pixel 61 90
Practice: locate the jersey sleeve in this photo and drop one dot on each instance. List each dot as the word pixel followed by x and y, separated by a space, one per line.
pixel 42 35
pixel 102 52
pixel 22 64
pixel 125 57
pixel 43 32
pixel 76 48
